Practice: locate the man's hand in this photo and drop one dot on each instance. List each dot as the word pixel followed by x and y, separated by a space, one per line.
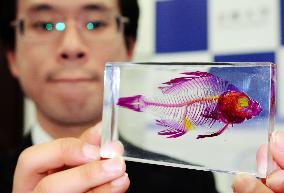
pixel 245 183
pixel 71 165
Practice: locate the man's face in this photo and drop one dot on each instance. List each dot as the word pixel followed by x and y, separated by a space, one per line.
pixel 63 75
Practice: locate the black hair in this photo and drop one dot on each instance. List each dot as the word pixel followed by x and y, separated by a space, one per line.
pixel 130 9
pixel 8 9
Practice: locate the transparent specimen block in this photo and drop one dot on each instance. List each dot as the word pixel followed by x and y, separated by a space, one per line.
pixel 207 116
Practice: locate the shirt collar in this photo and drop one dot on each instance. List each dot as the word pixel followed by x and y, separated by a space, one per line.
pixel 39 135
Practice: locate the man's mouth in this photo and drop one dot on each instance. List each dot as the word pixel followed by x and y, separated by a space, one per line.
pixel 71 80
pixel 74 77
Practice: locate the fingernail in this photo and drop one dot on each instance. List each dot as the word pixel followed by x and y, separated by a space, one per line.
pixel 113 165
pixel 278 140
pixel 243 183
pixel 120 181
pixel 261 169
pixel 276 179
pixel 91 151
pixel 107 151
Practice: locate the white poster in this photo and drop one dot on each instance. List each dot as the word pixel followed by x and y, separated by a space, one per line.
pixel 243 25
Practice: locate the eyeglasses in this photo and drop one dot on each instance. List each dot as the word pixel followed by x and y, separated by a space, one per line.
pixel 92 27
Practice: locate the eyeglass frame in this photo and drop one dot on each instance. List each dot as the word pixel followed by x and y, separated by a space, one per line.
pixel 18 24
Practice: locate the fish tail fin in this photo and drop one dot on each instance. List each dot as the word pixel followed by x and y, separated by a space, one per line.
pixel 135 103
pixel 173 129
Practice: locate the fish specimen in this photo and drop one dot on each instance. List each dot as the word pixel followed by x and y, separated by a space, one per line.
pixel 195 99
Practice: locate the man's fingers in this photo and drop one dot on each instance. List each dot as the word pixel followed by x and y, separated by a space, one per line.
pixel 84 177
pixel 119 185
pixel 245 183
pixel 276 181
pixel 261 160
pixel 277 148
pixel 109 150
pixel 93 135
pixel 35 162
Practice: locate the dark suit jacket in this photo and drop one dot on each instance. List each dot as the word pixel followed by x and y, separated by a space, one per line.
pixel 145 178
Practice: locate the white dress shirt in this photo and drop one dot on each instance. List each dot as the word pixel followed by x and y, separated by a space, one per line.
pixel 39 135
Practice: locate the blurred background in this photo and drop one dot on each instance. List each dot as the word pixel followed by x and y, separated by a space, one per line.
pixel 190 31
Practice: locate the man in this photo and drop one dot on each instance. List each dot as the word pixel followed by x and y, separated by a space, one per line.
pixel 58 57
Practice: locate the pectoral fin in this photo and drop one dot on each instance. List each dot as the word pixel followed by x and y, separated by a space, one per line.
pixel 173 130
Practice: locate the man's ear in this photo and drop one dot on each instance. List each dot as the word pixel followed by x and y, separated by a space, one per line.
pixel 11 58
pixel 131 42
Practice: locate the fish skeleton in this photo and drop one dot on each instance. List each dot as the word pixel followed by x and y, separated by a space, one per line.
pixel 199 98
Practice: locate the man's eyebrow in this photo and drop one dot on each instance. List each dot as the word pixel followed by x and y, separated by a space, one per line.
pixel 40 8
pixel 95 7
pixel 43 7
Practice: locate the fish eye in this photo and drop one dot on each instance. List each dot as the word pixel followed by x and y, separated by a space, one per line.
pixel 243 102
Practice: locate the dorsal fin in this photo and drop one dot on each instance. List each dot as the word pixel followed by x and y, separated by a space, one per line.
pixel 200 80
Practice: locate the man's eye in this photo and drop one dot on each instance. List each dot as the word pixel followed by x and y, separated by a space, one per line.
pixel 45 26
pixel 95 25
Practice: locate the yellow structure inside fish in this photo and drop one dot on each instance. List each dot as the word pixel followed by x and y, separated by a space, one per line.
pixel 187 124
pixel 243 102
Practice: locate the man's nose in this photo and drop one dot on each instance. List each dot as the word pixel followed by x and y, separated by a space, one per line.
pixel 71 47
pixel 72 55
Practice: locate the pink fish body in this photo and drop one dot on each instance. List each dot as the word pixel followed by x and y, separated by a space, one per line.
pixel 200 98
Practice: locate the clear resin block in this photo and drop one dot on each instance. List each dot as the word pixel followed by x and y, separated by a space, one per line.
pixel 207 116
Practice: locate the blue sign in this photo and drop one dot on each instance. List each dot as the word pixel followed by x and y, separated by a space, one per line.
pixel 249 57
pixel 181 26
